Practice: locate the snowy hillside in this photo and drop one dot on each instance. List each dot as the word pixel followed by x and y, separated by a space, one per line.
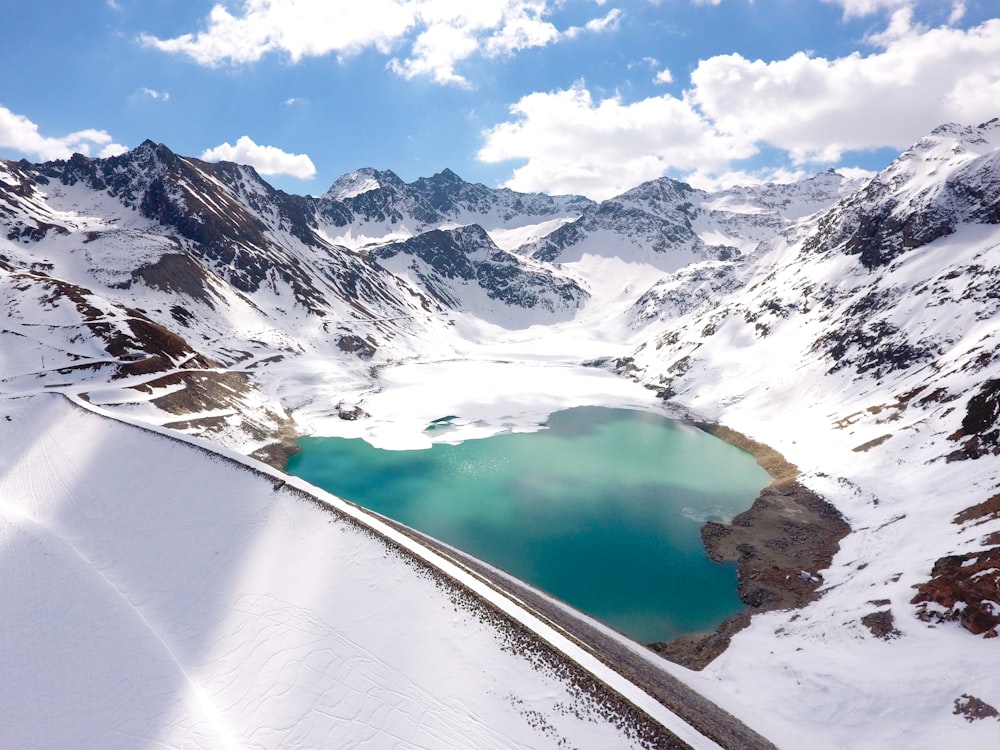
pixel 866 353
pixel 850 326
pixel 160 596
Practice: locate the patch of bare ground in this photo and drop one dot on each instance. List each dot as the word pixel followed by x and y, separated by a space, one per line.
pixel 974 709
pixel 881 624
pixel 987 510
pixel 779 545
pixel 963 589
pixel 213 391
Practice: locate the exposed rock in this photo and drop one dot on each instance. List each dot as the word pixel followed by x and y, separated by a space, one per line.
pixel 176 272
pixel 974 709
pixel 361 348
pixel 350 414
pixel 444 259
pixel 963 589
pixel 780 545
pixel 980 432
pixel 881 624
pixel 988 510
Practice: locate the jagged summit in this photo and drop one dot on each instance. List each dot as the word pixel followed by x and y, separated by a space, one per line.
pixel 945 179
pixel 361 181
pixel 985 135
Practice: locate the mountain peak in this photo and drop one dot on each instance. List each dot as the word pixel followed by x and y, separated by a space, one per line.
pixel 447 176
pixel 978 139
pixel 360 181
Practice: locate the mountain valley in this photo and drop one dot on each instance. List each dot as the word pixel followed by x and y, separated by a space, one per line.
pixel 850 329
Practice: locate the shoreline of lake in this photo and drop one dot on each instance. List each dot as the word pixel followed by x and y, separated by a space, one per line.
pixel 603 509
pixel 754 529
pixel 780 546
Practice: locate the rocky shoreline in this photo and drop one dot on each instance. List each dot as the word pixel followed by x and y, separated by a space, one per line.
pixel 780 545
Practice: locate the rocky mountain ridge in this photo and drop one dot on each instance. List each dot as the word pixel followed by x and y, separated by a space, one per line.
pixel 875 304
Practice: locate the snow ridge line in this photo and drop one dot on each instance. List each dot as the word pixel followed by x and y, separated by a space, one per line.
pixel 546 631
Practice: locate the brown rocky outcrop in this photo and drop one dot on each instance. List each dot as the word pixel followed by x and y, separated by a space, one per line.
pixel 779 545
pixel 966 589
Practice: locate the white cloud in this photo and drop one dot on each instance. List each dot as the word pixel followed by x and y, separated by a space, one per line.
pixel 856 173
pixel 573 144
pixel 434 36
pixel 267 160
pixel 816 109
pixel 154 94
pixel 715 181
pixel 610 22
pixel 300 28
pixel 112 149
pixel 957 12
pixel 664 76
pixel 860 8
pixel 19 133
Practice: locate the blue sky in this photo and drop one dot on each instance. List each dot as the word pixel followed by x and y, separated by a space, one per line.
pixel 577 96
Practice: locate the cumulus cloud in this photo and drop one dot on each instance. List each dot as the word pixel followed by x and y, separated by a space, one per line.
pixel 816 109
pixel 267 160
pixel 433 36
pixel 860 8
pixel 714 181
pixel 573 144
pixel 609 22
pixel 19 133
pixel 300 28
pixel 162 96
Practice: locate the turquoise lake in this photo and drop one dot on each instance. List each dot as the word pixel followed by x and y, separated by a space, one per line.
pixel 602 509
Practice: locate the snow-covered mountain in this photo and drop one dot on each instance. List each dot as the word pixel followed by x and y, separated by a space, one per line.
pixel 457 266
pixel 852 326
pixel 369 206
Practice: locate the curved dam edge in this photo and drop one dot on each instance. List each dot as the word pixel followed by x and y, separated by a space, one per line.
pixel 549 635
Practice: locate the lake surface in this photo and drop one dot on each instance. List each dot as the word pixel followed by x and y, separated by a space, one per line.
pixel 602 509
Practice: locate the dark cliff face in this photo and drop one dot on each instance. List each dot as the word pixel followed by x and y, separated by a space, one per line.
pixel 903 208
pixel 657 213
pixel 225 222
pixel 468 254
pixel 980 431
pixel 446 252
pixel 382 198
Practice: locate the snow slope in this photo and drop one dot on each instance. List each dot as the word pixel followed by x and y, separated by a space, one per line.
pixel 852 327
pixel 157 595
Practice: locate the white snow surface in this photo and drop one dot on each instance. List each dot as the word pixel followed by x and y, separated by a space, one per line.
pixel 167 597
pixel 156 595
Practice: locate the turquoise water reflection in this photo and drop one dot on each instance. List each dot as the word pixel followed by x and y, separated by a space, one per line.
pixel 602 509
